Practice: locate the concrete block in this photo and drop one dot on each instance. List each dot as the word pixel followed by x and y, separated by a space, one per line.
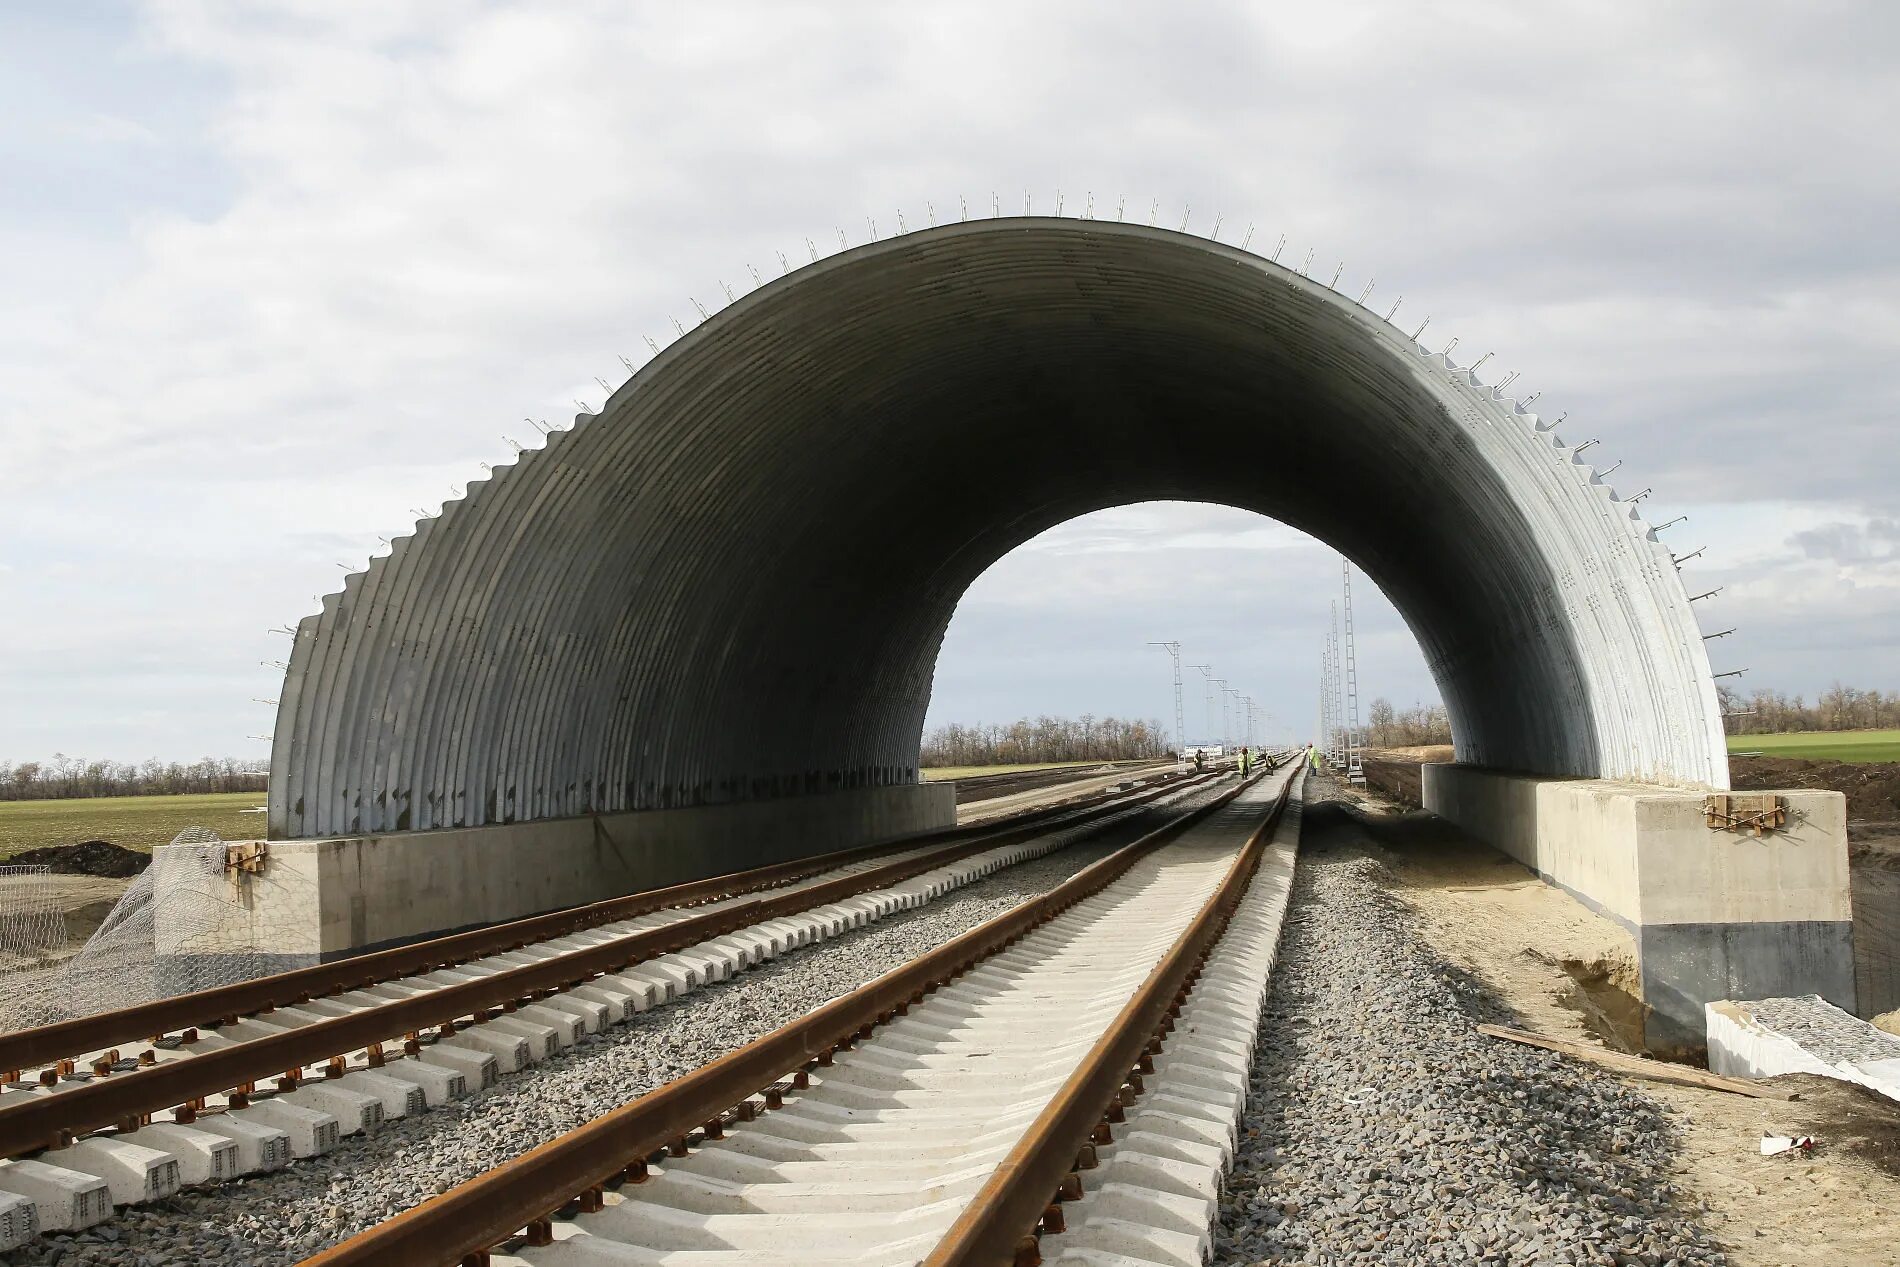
pixel 64 1200
pixel 354 1111
pixel 312 1132
pixel 399 1096
pixel 260 1147
pixel 202 1157
pixel 132 1173
pixel 439 1084
pixel 479 1067
pixel 319 900
pixel 19 1220
pixel 510 1051
pixel 542 1040
pixel 1715 914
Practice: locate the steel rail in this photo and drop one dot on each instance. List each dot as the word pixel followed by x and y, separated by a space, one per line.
pixel 999 1226
pixel 465 1223
pixel 45 1044
pixel 50 1120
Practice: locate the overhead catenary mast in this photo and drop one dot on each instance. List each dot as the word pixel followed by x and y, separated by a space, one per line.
pixel 1207 700
pixel 1180 721
pixel 1335 695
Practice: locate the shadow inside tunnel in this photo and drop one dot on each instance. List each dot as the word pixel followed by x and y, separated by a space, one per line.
pixel 1433 852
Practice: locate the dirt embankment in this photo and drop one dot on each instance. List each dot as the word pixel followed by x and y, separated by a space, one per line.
pixel 1394 771
pixel 1565 971
pixel 90 857
pixel 1872 788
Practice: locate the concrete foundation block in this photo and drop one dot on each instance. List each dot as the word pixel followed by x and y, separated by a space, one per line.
pixel 320 900
pixel 1715 913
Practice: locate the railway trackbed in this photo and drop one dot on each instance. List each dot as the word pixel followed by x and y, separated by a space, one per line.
pixel 1060 1083
pixel 283 1067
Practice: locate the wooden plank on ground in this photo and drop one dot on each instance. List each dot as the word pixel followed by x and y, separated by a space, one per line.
pixel 1638 1066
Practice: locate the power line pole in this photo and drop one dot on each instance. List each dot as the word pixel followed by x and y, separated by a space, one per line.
pixel 1320 738
pixel 1225 741
pixel 1339 696
pixel 1180 722
pixel 1333 697
pixel 1355 772
pixel 1207 700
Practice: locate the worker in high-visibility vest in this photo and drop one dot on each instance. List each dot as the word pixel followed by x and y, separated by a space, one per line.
pixel 1312 756
pixel 1246 759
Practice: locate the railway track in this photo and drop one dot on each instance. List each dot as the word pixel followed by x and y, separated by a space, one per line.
pixel 257 1074
pixel 1060 1083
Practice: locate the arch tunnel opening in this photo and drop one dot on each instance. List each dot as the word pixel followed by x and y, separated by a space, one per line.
pixel 1076 623
pixel 732 584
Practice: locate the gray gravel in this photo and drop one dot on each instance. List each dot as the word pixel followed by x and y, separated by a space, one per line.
pixel 283 1217
pixel 1383 1129
pixel 1824 1030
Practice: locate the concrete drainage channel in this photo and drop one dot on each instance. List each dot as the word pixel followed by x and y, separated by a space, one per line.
pixel 1061 1082
pixel 216 1138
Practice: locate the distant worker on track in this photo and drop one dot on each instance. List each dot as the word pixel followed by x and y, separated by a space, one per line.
pixel 1312 757
pixel 1246 762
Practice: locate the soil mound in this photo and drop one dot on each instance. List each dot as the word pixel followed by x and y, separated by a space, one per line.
pixel 89 857
pixel 1872 787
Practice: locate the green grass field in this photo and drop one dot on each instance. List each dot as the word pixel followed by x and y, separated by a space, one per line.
pixel 1823 745
pixel 136 822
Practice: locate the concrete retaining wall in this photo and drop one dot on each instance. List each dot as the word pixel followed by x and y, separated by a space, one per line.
pixel 1717 914
pixel 318 900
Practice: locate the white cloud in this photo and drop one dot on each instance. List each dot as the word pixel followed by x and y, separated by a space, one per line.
pixel 399 228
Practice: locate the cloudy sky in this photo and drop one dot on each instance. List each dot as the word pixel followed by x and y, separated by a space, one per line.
pixel 275 277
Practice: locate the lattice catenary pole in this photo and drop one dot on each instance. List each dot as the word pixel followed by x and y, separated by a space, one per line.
pixel 1355 772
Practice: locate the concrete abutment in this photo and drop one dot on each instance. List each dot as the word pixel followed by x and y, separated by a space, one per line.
pixel 1716 914
pixel 320 900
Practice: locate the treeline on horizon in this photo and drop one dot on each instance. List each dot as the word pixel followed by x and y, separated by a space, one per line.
pixel 1029 741
pixel 1023 742
pixel 1769 712
pixel 1420 726
pixel 69 778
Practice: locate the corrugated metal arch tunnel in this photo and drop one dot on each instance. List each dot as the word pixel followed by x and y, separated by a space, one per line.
pixel 733 582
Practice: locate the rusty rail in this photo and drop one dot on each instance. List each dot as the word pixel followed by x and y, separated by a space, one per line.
pixel 1022 1195
pixel 464 1224
pixel 48 1121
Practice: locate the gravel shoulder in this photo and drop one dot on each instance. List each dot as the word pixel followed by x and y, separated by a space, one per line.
pixel 1519 945
pixel 1382 1129
pixel 281 1218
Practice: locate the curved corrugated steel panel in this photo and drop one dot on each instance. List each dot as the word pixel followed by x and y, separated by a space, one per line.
pixel 732 582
